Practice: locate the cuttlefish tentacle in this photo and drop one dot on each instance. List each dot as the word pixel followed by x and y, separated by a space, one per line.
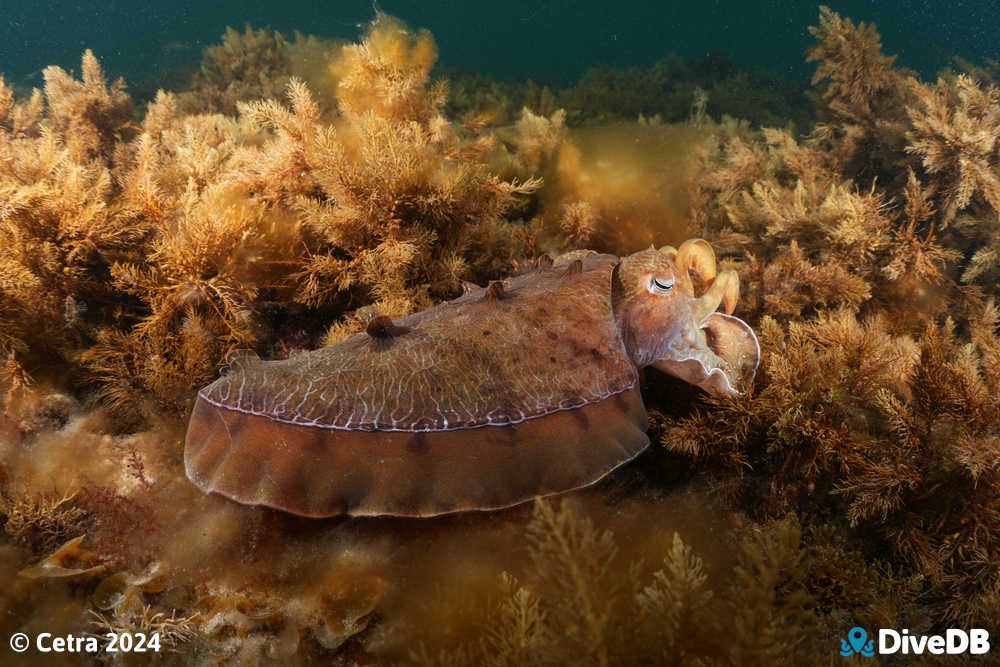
pixel 697 254
pixel 724 289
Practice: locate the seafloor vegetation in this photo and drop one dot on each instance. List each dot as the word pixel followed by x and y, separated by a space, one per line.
pixel 298 184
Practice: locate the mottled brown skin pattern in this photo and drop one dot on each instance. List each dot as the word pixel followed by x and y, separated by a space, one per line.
pixel 522 389
pixel 548 342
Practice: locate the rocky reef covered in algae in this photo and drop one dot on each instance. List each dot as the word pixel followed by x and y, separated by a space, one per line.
pixel 857 482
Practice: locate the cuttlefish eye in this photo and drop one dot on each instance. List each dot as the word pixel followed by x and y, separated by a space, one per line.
pixel 657 286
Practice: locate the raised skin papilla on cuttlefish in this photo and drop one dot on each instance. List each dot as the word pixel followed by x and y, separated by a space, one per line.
pixel 521 389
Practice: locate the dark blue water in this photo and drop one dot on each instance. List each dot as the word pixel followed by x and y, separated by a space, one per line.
pixel 552 41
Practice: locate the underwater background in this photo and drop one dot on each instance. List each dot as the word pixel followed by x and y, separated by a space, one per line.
pixel 268 177
pixel 552 42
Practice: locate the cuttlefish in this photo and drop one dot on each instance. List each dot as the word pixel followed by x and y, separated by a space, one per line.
pixel 525 388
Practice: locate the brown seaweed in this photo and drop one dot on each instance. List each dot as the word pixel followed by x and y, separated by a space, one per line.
pixel 856 483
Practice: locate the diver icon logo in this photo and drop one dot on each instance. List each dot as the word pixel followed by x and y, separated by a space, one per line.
pixel 857 642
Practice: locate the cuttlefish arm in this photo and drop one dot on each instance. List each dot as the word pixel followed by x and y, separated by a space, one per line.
pixel 722 358
pixel 714 351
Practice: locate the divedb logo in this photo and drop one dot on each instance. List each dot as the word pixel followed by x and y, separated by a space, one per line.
pixel 975 642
